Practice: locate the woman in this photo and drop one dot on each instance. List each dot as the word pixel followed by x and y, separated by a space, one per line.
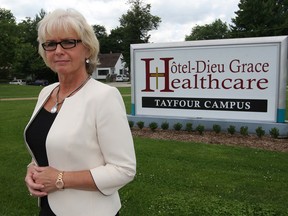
pixel 78 136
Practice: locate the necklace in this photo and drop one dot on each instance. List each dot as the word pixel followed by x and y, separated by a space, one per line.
pixel 57 103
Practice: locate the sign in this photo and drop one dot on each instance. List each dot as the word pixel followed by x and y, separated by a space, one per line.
pixel 239 79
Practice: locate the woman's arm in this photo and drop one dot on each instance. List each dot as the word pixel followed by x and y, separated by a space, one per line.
pixel 47 176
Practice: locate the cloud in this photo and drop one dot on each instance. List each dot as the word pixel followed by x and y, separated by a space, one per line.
pixel 178 16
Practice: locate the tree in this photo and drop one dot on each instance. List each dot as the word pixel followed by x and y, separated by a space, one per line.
pixel 100 31
pixel 215 30
pixel 101 34
pixel 116 40
pixel 138 21
pixel 8 42
pixel 135 26
pixel 106 45
pixel 257 18
pixel 27 61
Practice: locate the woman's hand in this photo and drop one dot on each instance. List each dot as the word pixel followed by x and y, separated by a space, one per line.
pixel 45 176
pixel 35 189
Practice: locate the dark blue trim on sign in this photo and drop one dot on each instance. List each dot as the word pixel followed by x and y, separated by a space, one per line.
pixel 132 109
pixel 281 115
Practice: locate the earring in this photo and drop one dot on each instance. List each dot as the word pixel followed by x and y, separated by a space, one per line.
pixel 87 61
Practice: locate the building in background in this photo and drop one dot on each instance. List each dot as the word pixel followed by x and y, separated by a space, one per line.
pixel 111 65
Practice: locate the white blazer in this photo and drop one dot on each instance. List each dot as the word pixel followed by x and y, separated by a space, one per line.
pixel 91 131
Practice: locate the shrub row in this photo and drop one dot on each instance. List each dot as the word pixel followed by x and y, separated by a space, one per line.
pixel 260 132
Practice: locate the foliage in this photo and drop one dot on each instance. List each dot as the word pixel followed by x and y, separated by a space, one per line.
pixel 244 130
pixel 257 18
pixel 140 124
pixel 215 30
pixel 135 26
pixel 115 41
pixel 177 126
pixel 165 125
pixel 138 21
pixel 274 132
pixel 254 18
pixel 19 47
pixel 18 42
pixel 100 31
pixel 131 124
pixel 108 43
pixel 216 128
pixel 200 128
pixel 231 129
pixel 153 126
pixel 8 42
pixel 189 126
pixel 19 50
pixel 260 132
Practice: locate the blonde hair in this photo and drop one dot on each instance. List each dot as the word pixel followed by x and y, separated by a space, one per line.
pixel 67 21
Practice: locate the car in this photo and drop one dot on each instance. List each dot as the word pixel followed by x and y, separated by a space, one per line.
pixel 125 78
pixel 122 78
pixel 17 82
pixel 119 78
pixel 40 83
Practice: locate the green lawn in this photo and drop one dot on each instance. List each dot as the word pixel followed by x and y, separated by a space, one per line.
pixel 173 178
pixel 176 178
pixel 125 90
pixel 18 91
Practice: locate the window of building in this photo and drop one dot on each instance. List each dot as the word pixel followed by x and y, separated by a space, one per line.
pixel 103 72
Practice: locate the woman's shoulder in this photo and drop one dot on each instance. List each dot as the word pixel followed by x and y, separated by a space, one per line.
pixel 100 86
pixel 99 89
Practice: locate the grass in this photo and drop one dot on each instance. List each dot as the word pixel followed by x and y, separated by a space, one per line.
pixel 176 178
pixel 18 91
pixel 14 199
pixel 125 90
pixel 9 91
pixel 173 178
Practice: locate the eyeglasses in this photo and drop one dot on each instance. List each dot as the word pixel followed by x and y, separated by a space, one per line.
pixel 65 44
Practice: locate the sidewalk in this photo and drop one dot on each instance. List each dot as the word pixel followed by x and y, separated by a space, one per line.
pixel 119 84
pixel 15 99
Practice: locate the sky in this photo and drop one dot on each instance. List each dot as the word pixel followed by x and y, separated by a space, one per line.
pixel 178 17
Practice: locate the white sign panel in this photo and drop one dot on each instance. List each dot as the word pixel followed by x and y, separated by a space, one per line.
pixel 225 79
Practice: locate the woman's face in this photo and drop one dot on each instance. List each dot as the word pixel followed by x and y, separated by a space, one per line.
pixel 66 61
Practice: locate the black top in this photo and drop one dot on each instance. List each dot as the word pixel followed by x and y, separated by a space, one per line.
pixel 36 135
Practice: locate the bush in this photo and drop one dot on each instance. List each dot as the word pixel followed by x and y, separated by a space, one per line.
pixel 274 132
pixel 260 132
pixel 140 124
pixel 177 126
pixel 165 125
pixel 189 127
pixel 216 128
pixel 231 129
pixel 200 128
pixel 131 124
pixel 244 130
pixel 153 126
